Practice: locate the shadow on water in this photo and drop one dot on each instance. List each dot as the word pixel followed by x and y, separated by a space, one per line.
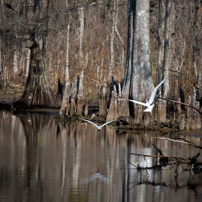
pixel 42 160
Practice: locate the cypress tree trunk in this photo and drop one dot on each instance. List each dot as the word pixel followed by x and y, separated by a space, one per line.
pixel 111 66
pixel 124 105
pixel 37 91
pixel 1 83
pixel 27 62
pixel 141 80
pixel 1 66
pixel 73 98
pixel 103 100
pixel 166 89
pixel 81 20
pixel 194 45
pixel 138 82
pixel 80 96
pixel 159 42
pixel 64 109
pixel 15 60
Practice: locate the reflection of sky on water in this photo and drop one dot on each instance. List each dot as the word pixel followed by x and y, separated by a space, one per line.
pixel 42 160
pixel 95 176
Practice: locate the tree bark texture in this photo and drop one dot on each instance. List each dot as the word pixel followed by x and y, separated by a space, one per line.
pixel 141 78
pixel 161 110
pixel 15 61
pixel 86 109
pixel 179 110
pixel 81 30
pixel 166 88
pixel 27 62
pixel 114 22
pixel 159 41
pixel 113 110
pixel 73 98
pixel 37 91
pixel 66 93
pixel 138 82
pixel 1 83
pixel 194 43
pixel 1 38
pixel 198 117
pixel 189 114
pixel 103 100
pixel 182 122
pixel 124 105
pixel 80 96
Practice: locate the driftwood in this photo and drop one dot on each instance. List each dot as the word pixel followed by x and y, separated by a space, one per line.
pixel 170 161
pixel 164 161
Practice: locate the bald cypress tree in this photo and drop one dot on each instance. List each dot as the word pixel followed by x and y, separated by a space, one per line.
pixel 138 82
pixel 37 91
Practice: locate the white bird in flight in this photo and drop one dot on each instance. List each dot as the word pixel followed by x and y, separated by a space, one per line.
pixel 149 104
pixel 98 127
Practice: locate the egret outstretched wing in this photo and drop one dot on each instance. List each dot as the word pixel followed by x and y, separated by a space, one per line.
pixel 98 127
pixel 137 102
pixel 90 122
pixel 151 99
pixel 107 123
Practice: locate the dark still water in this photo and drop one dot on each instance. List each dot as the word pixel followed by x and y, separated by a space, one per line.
pixel 41 160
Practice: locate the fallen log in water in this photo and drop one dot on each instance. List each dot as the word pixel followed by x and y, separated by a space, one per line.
pixel 164 161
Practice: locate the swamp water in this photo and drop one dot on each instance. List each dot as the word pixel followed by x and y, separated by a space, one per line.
pixel 42 161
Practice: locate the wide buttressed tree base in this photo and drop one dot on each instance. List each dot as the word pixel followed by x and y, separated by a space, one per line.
pixel 37 92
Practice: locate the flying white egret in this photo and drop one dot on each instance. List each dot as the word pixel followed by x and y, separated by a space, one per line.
pixel 98 127
pixel 149 104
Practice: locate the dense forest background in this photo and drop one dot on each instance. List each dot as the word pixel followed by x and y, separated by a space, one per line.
pixel 97 41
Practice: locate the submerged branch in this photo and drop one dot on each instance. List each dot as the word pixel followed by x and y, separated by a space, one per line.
pixel 172 160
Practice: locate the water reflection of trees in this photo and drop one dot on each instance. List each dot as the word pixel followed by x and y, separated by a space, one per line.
pixel 54 162
pixel 35 126
pixel 165 179
pixel 183 184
